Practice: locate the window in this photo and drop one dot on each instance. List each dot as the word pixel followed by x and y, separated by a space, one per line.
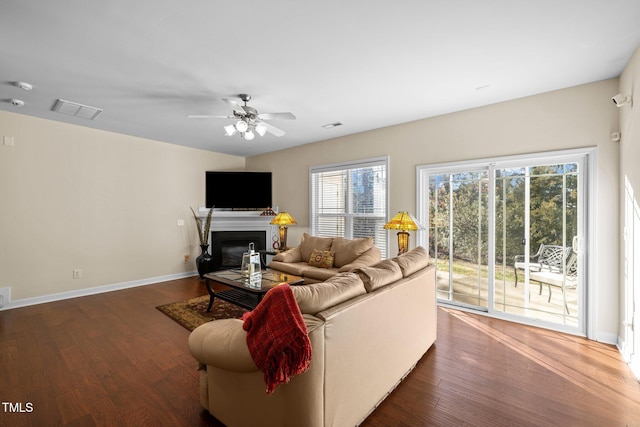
pixel 350 200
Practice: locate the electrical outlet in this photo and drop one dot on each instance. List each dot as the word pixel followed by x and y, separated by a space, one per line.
pixel 181 223
pixel 5 296
pixel 77 273
pixel 186 258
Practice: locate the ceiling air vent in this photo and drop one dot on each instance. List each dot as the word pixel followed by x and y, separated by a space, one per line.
pixel 332 125
pixel 76 110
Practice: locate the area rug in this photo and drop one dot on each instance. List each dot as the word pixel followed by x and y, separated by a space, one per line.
pixel 192 313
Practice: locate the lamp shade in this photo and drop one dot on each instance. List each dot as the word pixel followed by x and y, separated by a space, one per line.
pixel 403 221
pixel 283 218
pixel 242 126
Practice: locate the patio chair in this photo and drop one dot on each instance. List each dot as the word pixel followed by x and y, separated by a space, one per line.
pixel 547 267
pixel 564 281
pixel 548 257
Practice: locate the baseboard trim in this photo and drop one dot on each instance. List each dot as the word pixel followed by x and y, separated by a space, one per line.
pixel 607 338
pixel 625 351
pixel 96 290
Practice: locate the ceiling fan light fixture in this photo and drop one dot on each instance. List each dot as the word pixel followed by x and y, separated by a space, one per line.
pixel 242 126
pixel 248 122
pixel 229 130
pixel 261 129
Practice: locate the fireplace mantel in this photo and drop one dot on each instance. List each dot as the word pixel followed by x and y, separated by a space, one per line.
pixel 240 221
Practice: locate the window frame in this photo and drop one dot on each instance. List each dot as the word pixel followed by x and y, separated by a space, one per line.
pixel 345 166
pixel 587 242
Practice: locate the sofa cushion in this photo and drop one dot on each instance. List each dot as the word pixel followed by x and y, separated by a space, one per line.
pixel 319 274
pixel 379 275
pixel 222 344
pixel 322 259
pixel 308 243
pixel 320 296
pixel 295 268
pixel 290 255
pixel 347 250
pixel 367 259
pixel 412 261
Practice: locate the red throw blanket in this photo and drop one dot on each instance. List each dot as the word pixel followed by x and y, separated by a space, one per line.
pixel 277 337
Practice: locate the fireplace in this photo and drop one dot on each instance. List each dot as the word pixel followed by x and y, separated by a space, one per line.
pixel 231 233
pixel 227 247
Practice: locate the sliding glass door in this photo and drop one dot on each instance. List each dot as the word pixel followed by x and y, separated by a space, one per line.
pixel 536 226
pixel 507 236
pixel 458 235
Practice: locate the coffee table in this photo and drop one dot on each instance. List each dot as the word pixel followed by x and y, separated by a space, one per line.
pixel 243 292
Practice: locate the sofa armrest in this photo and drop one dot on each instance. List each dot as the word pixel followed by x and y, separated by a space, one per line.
pixel 370 257
pixel 290 255
pixel 223 344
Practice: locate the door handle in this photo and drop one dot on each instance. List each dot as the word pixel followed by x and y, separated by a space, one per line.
pixel 575 244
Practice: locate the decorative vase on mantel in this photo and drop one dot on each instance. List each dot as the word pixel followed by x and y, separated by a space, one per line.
pixel 204 261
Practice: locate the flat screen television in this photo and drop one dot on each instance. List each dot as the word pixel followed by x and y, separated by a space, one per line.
pixel 238 190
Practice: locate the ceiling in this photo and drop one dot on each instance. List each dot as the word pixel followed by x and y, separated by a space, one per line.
pixel 366 64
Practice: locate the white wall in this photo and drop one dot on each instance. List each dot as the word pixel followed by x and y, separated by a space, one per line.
pixel 582 116
pixel 630 173
pixel 105 203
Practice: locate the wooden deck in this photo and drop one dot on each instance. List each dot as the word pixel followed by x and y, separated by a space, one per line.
pixel 515 300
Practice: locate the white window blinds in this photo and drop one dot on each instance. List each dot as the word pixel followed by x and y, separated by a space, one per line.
pixel 350 200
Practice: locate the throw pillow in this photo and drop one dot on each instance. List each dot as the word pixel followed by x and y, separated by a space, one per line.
pixel 322 259
pixel 308 243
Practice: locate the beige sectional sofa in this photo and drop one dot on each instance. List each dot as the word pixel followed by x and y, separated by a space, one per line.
pixel 332 255
pixel 368 328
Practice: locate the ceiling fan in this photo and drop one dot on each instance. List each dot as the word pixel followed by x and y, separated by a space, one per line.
pixel 249 121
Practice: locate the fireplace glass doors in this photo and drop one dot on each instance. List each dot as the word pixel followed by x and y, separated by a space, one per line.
pixel 227 247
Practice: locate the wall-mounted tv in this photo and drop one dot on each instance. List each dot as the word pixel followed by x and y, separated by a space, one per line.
pixel 238 190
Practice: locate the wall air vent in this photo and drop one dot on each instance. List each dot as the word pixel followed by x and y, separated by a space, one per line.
pixel 76 110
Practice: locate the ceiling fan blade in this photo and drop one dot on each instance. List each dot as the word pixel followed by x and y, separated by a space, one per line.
pixel 277 116
pixel 202 116
pixel 234 105
pixel 272 129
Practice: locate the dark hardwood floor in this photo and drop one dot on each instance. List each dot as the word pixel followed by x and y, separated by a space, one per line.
pixel 113 359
